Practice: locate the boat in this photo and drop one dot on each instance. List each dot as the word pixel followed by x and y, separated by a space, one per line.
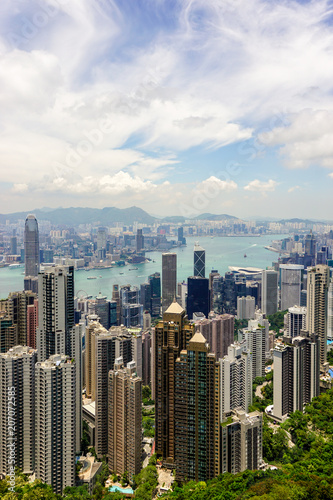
pixel 14 266
pixel 245 255
pixel 134 269
pixel 92 278
pixel 121 273
pixel 100 276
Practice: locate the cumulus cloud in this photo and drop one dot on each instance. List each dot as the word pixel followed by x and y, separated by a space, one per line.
pixel 331 175
pixel 261 186
pixel 293 188
pixel 214 185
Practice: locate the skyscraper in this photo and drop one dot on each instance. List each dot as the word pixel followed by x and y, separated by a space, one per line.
pixel 296 374
pixel 199 261
pixel 155 292
pixel 218 330
pixel 330 310
pixel 291 281
pixel 124 419
pixel 296 321
pixel 169 279
pixel 269 292
pixel 196 412
pixel 198 299
pixel 55 416
pixel 139 240
pixel 55 311
pixel 255 339
pixel 17 306
pixel 31 246
pixel 17 414
pixel 170 337
pixel 317 291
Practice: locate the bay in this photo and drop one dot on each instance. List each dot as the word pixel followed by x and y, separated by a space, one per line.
pixel 221 252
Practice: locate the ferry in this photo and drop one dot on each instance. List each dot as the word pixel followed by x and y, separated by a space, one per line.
pixel 134 269
pixel 92 278
pixel 14 266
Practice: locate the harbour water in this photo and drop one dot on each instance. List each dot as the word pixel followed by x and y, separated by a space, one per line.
pixel 221 252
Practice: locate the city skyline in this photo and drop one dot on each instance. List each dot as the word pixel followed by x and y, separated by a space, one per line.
pixel 203 106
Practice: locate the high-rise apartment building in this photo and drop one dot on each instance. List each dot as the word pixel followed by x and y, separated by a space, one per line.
pixel 124 419
pixel 55 311
pixel 199 261
pixel 8 332
pixel 241 442
pixel 269 292
pixel 169 279
pixel 75 352
pixel 31 246
pixel 236 379
pixel 295 321
pixel 116 298
pixel 55 417
pixel 330 310
pixel 16 306
pixel 255 339
pixel 296 374
pixel 17 409
pixel 291 282
pixel 196 412
pixel 32 323
pixel 317 292
pixel 218 330
pixel 170 337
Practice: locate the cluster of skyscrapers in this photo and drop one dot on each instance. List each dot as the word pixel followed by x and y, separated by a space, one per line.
pixel 71 359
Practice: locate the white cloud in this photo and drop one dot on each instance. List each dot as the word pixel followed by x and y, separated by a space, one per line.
pixel 293 188
pixel 213 186
pixel 307 140
pixel 331 175
pixel 261 186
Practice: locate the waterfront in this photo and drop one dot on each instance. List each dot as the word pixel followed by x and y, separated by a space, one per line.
pixel 220 253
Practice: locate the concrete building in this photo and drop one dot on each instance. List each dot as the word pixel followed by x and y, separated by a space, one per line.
pixel 31 246
pixel 236 379
pixel 8 332
pixel 17 409
pixel 89 472
pixel 170 337
pixel 75 352
pixel 241 442
pixel 196 410
pixel 296 374
pixel 330 310
pixel 169 279
pixel 218 330
pixel 55 311
pixel 246 307
pixel 290 285
pixel 199 261
pixel 295 321
pixel 124 419
pixel 317 293
pixel 32 323
pixel 16 306
pixel 269 292
pixel 255 339
pixel 55 418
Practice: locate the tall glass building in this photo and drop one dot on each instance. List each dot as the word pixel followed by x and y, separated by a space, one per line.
pixel 31 246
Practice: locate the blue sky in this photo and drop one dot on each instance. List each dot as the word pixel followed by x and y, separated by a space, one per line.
pixel 179 107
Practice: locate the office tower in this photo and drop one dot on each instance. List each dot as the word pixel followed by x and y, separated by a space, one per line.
pixel 8 332
pixel 318 281
pixel 155 291
pixel 269 292
pixel 31 284
pixel 55 418
pixel 75 352
pixel 13 245
pixel 236 379
pixel 296 374
pixel 17 403
pixel 330 310
pixel 55 311
pixel 101 239
pixel 124 419
pixel 16 306
pixel 241 442
pixel 139 240
pixel 182 294
pixel 145 296
pixel 132 315
pixel 322 255
pixel 246 307
pixel 181 239
pixel 170 337
pixel 255 339
pixel 291 282
pixel 169 279
pixel 116 298
pixel 146 320
pixel 31 246
pixel 196 412
pixel 214 273
pixel 113 313
pixel 135 354
pixel 295 321
pixel 129 294
pixel 197 296
pixel 146 358
pixel 218 330
pixel 310 249
pixel 199 261
pixel 32 323
pixel 102 309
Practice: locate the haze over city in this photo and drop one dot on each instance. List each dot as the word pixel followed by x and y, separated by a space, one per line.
pixel 205 106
